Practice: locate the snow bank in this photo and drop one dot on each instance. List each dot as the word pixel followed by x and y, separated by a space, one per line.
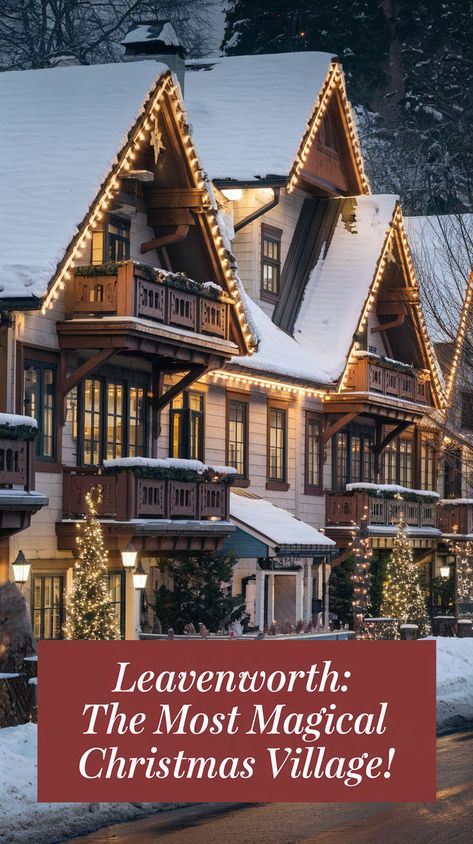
pixel 454 684
pixel 23 820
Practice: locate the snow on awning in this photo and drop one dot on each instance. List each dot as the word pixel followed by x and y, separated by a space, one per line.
pixel 275 526
pixel 249 113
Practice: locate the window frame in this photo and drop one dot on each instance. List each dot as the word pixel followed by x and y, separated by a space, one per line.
pixel 104 231
pixel 122 605
pixel 311 417
pixel 241 398
pixel 360 432
pixel 47 359
pixel 126 381
pixel 467 412
pixel 277 483
pixel 273 234
pixel 186 415
pixel 61 606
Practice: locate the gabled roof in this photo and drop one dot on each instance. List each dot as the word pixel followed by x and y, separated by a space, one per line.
pixel 60 132
pixel 67 135
pixel 442 252
pixel 275 526
pixel 331 274
pixel 254 115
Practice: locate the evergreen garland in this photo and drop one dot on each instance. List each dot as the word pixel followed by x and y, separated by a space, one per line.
pixel 90 613
pixel 18 432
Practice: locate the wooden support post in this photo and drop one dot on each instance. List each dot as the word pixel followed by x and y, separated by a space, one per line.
pixel 330 430
pixel 194 373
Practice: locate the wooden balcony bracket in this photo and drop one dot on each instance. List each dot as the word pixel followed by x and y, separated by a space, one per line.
pixel 380 444
pixel 176 236
pixel 195 372
pixel 67 383
pixel 330 430
pixel 395 323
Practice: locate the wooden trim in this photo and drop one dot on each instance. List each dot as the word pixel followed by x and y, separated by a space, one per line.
pixel 244 398
pixel 312 416
pixel 193 375
pixel 273 483
pixel 330 430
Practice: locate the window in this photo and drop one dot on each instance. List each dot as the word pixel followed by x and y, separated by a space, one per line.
pixel 112 419
pixel 237 435
pixel 187 426
pixel 428 463
pixel 327 133
pixel 397 462
pixel 467 410
pixel 270 262
pixel 277 444
pixel 39 397
pixel 118 240
pixel 313 454
pixel 47 606
pixel 406 473
pixel 112 243
pixel 116 586
pixel 453 474
pixel 353 459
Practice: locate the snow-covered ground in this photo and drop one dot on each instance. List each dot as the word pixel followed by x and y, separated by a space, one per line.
pixel 24 821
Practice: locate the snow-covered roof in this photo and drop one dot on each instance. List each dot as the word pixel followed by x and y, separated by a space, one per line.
pixel 276 526
pixel 161 31
pixel 277 351
pixel 442 252
pixel 249 113
pixel 340 281
pixel 60 131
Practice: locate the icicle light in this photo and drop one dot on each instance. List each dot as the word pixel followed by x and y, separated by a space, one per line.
pixel 112 184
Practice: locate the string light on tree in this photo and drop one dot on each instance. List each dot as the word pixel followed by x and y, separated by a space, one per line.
pixel 90 613
pixel 361 577
pixel 403 595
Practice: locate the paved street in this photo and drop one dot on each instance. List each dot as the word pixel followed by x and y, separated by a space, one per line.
pixel 447 820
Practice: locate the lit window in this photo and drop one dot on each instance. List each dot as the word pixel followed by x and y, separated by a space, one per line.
pixel 187 426
pixel 39 401
pixel 47 606
pixel 237 436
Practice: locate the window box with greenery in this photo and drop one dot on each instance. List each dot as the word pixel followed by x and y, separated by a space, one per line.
pixel 277 445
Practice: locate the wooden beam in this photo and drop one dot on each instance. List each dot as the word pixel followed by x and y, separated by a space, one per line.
pixel 170 217
pixel 194 374
pixel 330 430
pixel 87 368
pixel 176 236
pixel 176 197
pixel 386 326
pixel 379 446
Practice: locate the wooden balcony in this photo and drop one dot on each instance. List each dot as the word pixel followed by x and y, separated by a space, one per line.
pixel 344 509
pixel 456 516
pixel 375 375
pixel 18 500
pixel 17 464
pixel 127 496
pixel 135 290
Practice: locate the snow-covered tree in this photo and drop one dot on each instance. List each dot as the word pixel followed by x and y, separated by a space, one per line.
pixel 90 613
pixel 36 33
pixel 403 595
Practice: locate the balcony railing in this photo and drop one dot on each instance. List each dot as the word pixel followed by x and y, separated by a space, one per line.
pixel 375 375
pixel 126 495
pixel 456 516
pixel 16 464
pixel 348 508
pixel 134 290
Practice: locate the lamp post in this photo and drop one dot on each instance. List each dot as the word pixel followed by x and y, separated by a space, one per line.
pixel 139 582
pixel 129 555
pixel 445 572
pixel 21 569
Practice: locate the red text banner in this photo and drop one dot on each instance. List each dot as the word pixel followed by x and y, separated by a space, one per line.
pixel 299 721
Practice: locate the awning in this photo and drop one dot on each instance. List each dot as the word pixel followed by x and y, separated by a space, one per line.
pixel 276 528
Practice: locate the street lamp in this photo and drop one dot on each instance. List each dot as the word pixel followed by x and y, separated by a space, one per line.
pixel 445 571
pixel 139 577
pixel 129 555
pixel 21 568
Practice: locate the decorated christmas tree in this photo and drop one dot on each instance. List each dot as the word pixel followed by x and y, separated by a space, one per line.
pixel 361 577
pixel 90 614
pixel 403 595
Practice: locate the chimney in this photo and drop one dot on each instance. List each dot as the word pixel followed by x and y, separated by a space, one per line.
pixel 156 40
